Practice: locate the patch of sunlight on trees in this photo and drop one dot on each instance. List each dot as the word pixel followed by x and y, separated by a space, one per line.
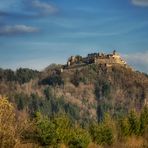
pixel 7 123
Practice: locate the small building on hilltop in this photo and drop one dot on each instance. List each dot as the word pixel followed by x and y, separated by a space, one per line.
pixel 97 58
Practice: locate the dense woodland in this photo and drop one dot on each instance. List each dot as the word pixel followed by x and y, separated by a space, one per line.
pixel 88 106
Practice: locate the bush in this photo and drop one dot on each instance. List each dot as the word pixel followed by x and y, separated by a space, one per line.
pixel 144 120
pixel 124 126
pixel 54 131
pixel 134 124
pixel 59 130
pixel 45 130
pixel 63 128
pixel 102 134
pixel 80 138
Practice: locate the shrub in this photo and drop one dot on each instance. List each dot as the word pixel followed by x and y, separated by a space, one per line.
pixel 124 126
pixel 134 124
pixel 80 138
pixel 144 120
pixel 45 130
pixel 103 133
pixel 59 130
pixel 54 131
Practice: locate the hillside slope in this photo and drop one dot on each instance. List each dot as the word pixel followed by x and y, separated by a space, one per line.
pixel 84 92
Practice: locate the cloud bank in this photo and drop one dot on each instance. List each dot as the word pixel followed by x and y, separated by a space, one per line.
pixel 138 60
pixel 143 3
pixel 17 29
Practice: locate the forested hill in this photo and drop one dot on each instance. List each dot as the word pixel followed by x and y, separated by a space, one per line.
pixel 83 93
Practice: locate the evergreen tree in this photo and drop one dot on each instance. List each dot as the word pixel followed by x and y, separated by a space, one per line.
pixel 144 120
pixel 134 124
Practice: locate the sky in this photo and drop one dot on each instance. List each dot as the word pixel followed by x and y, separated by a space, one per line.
pixel 37 33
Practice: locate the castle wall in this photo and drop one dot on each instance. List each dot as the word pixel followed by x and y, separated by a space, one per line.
pixel 109 59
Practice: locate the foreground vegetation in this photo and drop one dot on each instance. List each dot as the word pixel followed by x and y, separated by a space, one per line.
pixel 18 129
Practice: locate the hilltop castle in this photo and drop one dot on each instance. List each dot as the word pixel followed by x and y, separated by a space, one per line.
pixel 97 58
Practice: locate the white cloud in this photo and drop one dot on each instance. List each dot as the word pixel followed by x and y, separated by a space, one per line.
pixel 140 2
pixel 17 29
pixel 26 8
pixel 43 7
pixel 138 60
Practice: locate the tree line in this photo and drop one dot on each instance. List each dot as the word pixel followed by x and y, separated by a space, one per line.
pixel 21 75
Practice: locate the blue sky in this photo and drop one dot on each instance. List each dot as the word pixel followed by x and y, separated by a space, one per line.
pixel 36 33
